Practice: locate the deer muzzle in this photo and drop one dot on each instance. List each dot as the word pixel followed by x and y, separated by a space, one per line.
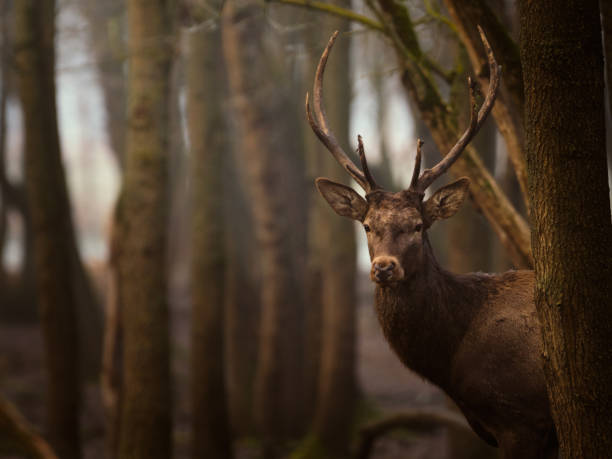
pixel 386 269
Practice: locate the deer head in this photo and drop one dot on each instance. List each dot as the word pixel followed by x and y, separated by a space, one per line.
pixel 395 222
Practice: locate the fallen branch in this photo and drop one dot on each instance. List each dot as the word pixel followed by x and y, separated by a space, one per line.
pixel 422 420
pixel 17 429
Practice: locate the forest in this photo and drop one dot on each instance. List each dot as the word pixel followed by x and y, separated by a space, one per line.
pixel 177 279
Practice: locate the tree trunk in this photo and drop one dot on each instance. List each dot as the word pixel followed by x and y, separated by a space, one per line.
pixel 606 23
pixel 263 148
pixel 337 385
pixel 112 350
pixel 105 23
pixel 54 239
pixel 242 301
pixel 208 139
pixel 146 413
pixel 572 233
pixel 5 67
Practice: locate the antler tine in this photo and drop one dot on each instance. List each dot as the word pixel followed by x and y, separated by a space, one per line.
pixel 417 166
pixel 476 119
pixel 318 122
pixel 364 165
pixel 494 80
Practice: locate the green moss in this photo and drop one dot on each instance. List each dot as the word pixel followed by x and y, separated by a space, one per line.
pixel 403 25
pixel 365 412
pixel 311 447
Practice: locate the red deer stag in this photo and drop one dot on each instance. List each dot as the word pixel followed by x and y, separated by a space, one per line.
pixel 474 335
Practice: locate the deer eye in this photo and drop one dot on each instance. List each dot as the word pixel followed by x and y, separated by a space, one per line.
pixel 366 228
pixel 418 227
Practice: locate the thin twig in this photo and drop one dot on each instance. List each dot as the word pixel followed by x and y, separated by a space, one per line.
pixel 436 15
pixel 420 420
pixel 335 11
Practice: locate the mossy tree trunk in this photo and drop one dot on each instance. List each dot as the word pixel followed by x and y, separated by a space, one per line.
pixel 208 147
pixel 146 411
pixel 563 75
pixel 54 239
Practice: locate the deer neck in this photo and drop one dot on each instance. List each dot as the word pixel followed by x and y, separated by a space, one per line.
pixel 425 317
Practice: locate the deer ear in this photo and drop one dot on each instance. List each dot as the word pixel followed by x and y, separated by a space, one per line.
pixel 446 201
pixel 344 200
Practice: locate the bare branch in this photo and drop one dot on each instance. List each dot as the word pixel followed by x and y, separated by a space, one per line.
pixel 434 13
pixel 335 10
pixel 421 420
pixel 16 428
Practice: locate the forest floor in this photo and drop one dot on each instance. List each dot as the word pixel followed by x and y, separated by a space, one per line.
pixel 386 385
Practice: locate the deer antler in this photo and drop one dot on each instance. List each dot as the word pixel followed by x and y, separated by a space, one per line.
pixel 318 123
pixel 364 165
pixel 476 120
pixel 417 166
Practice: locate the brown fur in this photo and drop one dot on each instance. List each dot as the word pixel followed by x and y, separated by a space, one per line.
pixel 476 335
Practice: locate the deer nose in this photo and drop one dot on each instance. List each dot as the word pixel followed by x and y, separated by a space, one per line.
pixel 384 266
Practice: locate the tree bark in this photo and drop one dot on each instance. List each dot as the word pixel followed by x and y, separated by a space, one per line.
pixel 112 350
pixel 146 412
pixel 207 134
pixel 606 24
pixel 572 233
pixel 105 21
pixel 54 238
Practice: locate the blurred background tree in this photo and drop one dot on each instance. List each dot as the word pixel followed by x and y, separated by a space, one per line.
pixel 170 178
